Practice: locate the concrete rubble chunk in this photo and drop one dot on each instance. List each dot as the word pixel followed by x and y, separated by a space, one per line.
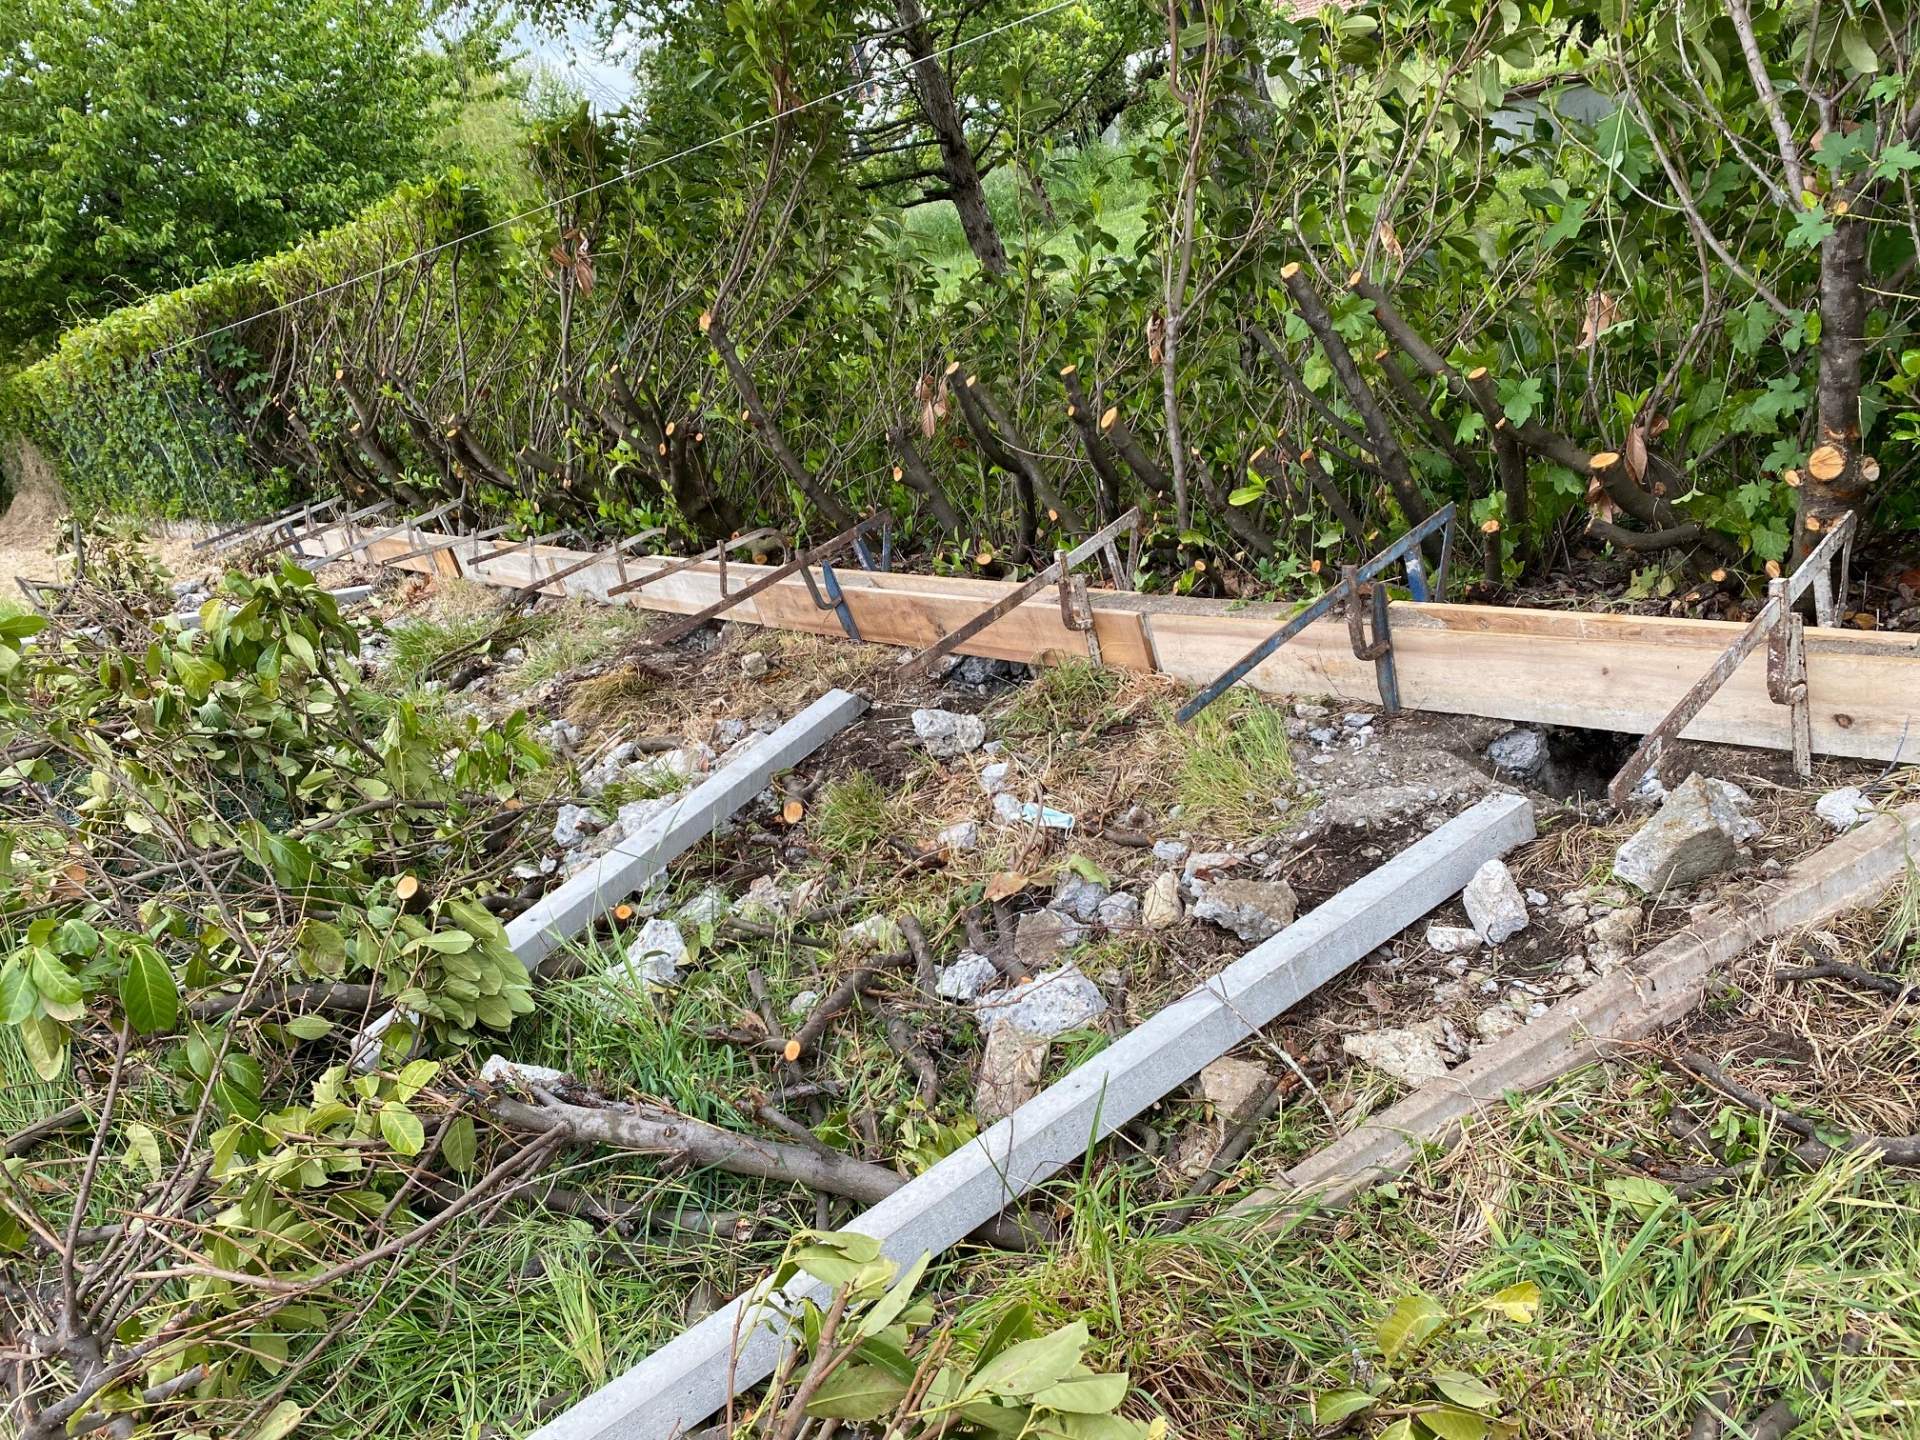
pixel 1078 896
pixel 1041 936
pixel 1844 809
pixel 572 824
pixel 947 733
pixel 1520 754
pixel 965 835
pixel 517 1075
pixel 996 777
pixel 653 956
pixel 1491 1024
pixel 1160 909
pixel 1254 910
pixel 1231 1091
pixel 1119 911
pixel 709 907
pixel 1170 852
pixel 966 978
pixel 1698 831
pixel 803 1003
pixel 875 935
pixel 1013 1065
pixel 1616 933
pixel 1494 903
pixel 1452 939
pixel 754 664
pixel 1204 867
pixel 1410 1055
pixel 1049 1004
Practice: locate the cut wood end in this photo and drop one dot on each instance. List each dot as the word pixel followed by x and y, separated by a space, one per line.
pixel 672 425
pixel 1066 370
pixel 1792 477
pixel 662 447
pixel 1254 459
pixel 792 1051
pixel 1306 455
pixel 623 913
pixel 1718 577
pixel 1828 462
pixel 793 812
pixel 1602 460
pixel 1199 567
pixel 1353 283
pixel 898 473
pixel 1053 515
pixel 1071 412
pixel 699 437
pixel 1477 374
pixel 1112 414
pixel 706 321
pixel 983 557
pixel 1382 353
pixel 972 380
pixel 1812 524
pixel 951 367
pixel 1290 269
pixel 1489 526
pixel 1773 569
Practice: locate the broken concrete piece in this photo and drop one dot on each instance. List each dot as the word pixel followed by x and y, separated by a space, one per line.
pixel 764 897
pixel 1500 1020
pixel 1698 831
pixel 709 907
pixel 996 777
pixel 1202 868
pixel 1119 911
pixel 875 935
pixel 1494 903
pixel 1049 1004
pixel 1233 1090
pixel 572 824
pixel 1252 909
pixel 753 664
pixel 1041 936
pixel 1078 896
pixel 963 836
pixel 947 733
pixel 1844 809
pixel 1452 939
pixel 514 1074
pixel 653 956
pixel 1411 1055
pixel 1160 909
pixel 803 1003
pixel 1519 754
pixel 1616 933
pixel 966 977
pixel 1011 1069
pixel 1170 852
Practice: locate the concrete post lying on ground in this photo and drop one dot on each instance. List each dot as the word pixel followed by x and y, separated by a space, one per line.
pixel 678 1386
pixel 1645 995
pixel 577 902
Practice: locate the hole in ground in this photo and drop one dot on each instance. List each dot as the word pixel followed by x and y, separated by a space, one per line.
pixel 1578 763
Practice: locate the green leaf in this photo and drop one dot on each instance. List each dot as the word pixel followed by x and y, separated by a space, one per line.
pixel 1246 494
pixel 1519 1303
pixel 1859 50
pixel 857 1391
pixel 889 1307
pixel 1032 1365
pixel 1408 1325
pixel 281 1421
pixel 45 1042
pixel 147 991
pixel 1451 1424
pixel 1330 1407
pixel 1401 1429
pixel 143 1150
pixel 1088 871
pixel 76 937
pixel 1810 227
pixel 1573 215
pixel 414 1077
pixel 17 994
pixel 459 1145
pixel 1464 1389
pixel 1084 1394
pixel 401 1129
pixel 309 1027
pixel 51 979
pixel 1645 1197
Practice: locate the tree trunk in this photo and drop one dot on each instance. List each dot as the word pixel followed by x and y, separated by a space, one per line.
pixel 1837 473
pixel 935 93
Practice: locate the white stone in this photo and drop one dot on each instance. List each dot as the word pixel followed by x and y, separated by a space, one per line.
pixel 1078 896
pixel 1519 753
pixel 1498 1020
pixel 1170 852
pixel 572 824
pixel 1255 910
pixel 803 1003
pixel 517 1075
pixel 1452 939
pixel 1537 899
pixel 1411 1055
pixel 1494 903
pixel 965 835
pixel 709 907
pixel 1160 909
pixel 753 664
pixel 1207 865
pixel 1119 911
pixel 1698 831
pixel 966 977
pixel 1013 1067
pixel 1049 1004
pixel 1844 809
pixel 1042 935
pixel 995 778
pixel 653 956
pixel 947 733
pixel 1357 720
pixel 765 896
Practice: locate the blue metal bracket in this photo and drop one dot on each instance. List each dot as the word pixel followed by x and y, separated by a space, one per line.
pixel 835 599
pixel 1357 595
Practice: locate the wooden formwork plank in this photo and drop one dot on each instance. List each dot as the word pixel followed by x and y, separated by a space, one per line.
pixel 1601 671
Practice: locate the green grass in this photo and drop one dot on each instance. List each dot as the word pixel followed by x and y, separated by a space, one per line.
pixel 573 635
pixel 853 816
pixel 1236 761
pixel 419 645
pixel 1062 699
